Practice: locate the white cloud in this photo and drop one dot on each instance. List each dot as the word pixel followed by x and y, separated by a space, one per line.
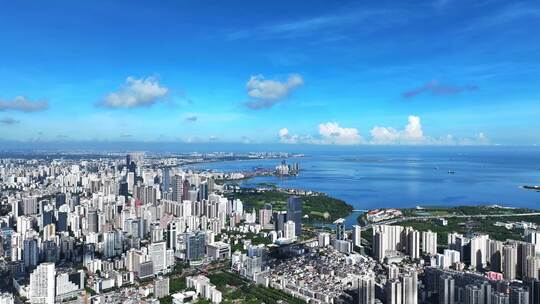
pixel 266 93
pixel 332 133
pixel 136 93
pixel 411 134
pixel 284 132
pixel 23 104
pixel 329 133
pixel 287 138
pixel 480 139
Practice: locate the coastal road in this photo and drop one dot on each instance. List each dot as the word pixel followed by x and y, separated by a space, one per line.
pixel 427 217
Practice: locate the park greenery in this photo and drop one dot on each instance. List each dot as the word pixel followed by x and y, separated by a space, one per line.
pixel 318 207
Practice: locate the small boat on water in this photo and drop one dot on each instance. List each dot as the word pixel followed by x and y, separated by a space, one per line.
pixel 451 172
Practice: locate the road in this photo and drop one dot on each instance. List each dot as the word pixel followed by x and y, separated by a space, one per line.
pixel 427 217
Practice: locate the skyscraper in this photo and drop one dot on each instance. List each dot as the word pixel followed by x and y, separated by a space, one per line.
pixel 533 286
pixel 510 263
pixel 429 242
pixel 177 184
pixel 289 230
pixel 195 245
pixel 280 217
pixel 42 284
pixel 366 289
pixel 92 220
pixel 166 179
pixel 473 295
pixel 478 250
pixel 409 285
pixel 495 255
pixel 519 295
pixel 340 229
pixel 392 291
pixel 357 236
pixel 413 244
pixel 294 213
pixel 499 298
pixel 446 289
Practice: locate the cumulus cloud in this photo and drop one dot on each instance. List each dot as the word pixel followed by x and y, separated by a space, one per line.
pixel 436 88
pixel 23 104
pixel 266 93
pixel 287 138
pixel 411 134
pixel 135 92
pixel 8 121
pixel 332 133
pixel 329 133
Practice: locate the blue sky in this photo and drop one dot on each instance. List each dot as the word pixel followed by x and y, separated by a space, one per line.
pixel 297 72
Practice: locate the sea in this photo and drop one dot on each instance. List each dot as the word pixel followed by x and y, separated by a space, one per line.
pixel 401 177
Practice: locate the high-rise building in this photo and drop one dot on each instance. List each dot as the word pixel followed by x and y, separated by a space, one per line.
pixel 280 217
pixel 166 183
pixel 92 219
pixel 30 253
pixel 500 298
pixel 357 236
pixel 409 286
pixel 265 215
pixel 324 239
pixel 186 186
pixel 366 289
pixel 479 245
pixel 485 287
pixel 510 262
pixel 289 230
pixel 525 250
pixel 177 187
pixel 161 287
pixel 340 229
pixel 519 295
pixel 393 292
pixel 429 242
pixel 495 255
pixel 413 243
pixel 42 284
pixel 386 238
pixel 446 289
pixel 533 286
pixel 532 267
pixel 130 179
pixel 195 245
pixel 158 255
pixel 473 295
pixel 294 213
pixel 203 190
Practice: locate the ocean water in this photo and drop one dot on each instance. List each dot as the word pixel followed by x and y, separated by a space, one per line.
pixel 374 177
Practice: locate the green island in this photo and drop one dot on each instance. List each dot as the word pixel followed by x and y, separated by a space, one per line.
pixel 465 219
pixel 319 207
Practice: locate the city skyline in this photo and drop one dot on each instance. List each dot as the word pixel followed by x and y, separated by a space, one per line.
pixel 343 73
